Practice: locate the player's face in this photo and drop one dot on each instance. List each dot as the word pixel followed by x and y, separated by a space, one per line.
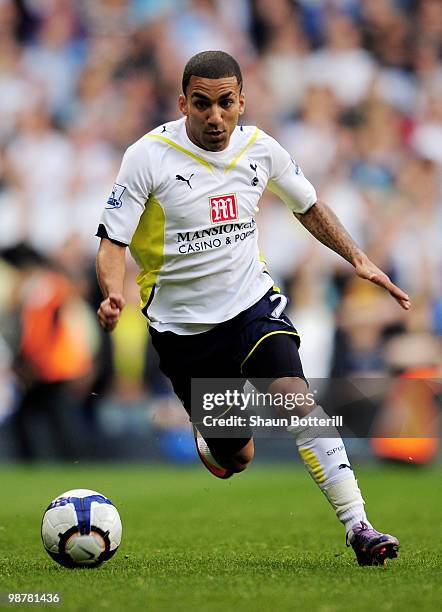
pixel 212 108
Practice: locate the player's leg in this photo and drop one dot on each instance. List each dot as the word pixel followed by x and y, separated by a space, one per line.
pixel 223 450
pixel 323 452
pixel 203 354
pixel 224 457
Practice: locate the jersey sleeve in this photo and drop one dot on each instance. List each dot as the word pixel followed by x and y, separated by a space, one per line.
pixel 128 197
pixel 287 181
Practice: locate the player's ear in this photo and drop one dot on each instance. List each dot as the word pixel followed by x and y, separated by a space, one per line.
pixel 242 103
pixel 182 104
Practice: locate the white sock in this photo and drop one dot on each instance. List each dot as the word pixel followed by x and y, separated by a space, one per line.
pixel 327 462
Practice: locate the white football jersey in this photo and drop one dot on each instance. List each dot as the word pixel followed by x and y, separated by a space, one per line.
pixel 188 216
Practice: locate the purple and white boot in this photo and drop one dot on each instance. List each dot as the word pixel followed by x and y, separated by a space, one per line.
pixel 370 546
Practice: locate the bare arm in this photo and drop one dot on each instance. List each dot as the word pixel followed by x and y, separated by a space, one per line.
pixel 325 226
pixel 111 268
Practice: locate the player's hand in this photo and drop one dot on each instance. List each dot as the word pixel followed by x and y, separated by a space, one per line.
pixel 110 311
pixel 366 269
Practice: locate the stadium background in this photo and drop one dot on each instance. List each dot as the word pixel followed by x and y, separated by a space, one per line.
pixel 352 89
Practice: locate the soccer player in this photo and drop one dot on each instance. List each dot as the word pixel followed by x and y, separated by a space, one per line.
pixel 184 202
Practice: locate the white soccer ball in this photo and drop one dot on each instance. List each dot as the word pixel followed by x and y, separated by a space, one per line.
pixel 81 528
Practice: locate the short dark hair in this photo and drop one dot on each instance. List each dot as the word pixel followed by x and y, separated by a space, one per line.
pixel 211 65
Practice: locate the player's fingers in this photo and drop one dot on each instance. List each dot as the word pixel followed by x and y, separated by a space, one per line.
pixel 394 290
pixel 110 311
pixel 400 296
pixel 107 316
pixel 405 304
pixel 397 292
pixel 111 307
pixel 376 276
pixel 116 300
pixel 107 325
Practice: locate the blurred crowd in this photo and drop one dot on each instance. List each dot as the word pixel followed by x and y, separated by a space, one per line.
pixel 351 88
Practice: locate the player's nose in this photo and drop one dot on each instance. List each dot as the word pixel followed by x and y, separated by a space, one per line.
pixel 215 117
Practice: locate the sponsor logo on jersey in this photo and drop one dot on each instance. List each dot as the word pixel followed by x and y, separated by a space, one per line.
pixel 223 208
pixel 114 200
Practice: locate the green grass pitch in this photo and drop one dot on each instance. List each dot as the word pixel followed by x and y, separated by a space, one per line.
pixel 264 540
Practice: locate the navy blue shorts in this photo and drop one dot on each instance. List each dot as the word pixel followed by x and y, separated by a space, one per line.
pixel 260 344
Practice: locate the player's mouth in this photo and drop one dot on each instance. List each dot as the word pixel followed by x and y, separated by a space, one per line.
pixel 216 135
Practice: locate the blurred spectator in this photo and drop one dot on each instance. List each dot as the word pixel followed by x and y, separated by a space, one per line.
pixel 200 26
pixel 52 345
pixel 313 137
pixel 342 64
pixel 277 33
pixel 38 154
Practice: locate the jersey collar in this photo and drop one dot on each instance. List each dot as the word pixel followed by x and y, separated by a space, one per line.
pixel 222 156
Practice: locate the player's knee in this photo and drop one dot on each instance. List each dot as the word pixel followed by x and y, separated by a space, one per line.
pixel 293 387
pixel 289 384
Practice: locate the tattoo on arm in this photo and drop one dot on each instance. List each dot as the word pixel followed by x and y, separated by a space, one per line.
pixel 325 226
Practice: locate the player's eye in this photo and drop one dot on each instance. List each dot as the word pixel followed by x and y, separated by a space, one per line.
pixel 227 103
pixel 200 104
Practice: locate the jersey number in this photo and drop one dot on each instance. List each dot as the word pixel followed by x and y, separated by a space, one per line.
pixel 277 312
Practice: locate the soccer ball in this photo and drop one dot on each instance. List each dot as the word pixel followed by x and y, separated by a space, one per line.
pixel 81 528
